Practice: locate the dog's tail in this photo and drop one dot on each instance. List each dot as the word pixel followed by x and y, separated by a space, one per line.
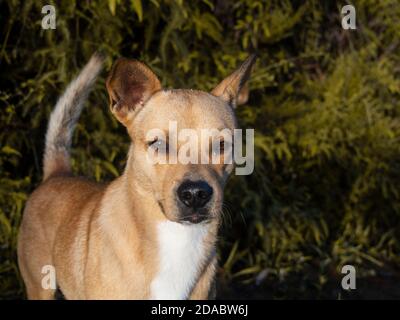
pixel 64 117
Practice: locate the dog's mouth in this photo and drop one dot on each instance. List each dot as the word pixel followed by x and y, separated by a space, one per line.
pixel 195 218
pixel 187 216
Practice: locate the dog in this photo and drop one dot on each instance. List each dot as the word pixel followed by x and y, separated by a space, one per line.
pixel 150 233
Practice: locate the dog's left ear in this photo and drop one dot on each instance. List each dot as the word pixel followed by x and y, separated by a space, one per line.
pixel 233 89
pixel 130 84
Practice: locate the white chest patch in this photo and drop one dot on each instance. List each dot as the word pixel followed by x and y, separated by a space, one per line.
pixel 181 254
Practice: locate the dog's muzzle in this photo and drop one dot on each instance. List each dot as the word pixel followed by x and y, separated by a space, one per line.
pixel 194 197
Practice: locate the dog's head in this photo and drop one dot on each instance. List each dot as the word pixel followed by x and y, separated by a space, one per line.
pixel 186 191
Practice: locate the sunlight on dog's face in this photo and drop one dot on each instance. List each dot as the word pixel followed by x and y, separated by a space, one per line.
pixel 186 193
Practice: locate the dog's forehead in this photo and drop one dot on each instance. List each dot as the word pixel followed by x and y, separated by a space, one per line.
pixel 189 108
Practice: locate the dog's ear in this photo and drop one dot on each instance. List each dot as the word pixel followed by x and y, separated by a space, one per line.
pixel 233 89
pixel 129 85
pixel 243 95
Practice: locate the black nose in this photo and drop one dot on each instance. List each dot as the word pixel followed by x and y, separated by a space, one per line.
pixel 194 194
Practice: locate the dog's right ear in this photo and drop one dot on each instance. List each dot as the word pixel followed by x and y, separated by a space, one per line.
pixel 129 85
pixel 233 89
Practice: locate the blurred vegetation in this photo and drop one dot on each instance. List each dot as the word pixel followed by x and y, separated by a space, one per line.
pixel 324 104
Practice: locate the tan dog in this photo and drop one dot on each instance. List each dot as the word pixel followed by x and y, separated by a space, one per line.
pixel 149 234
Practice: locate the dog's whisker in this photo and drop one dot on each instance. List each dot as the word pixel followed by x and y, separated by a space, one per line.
pixel 226 213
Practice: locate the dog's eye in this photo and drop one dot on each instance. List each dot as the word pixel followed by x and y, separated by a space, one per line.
pixel 150 143
pixel 219 148
pixel 159 145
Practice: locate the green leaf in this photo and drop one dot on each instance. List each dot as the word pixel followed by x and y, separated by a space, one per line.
pixel 137 6
pixel 112 5
pixel 9 150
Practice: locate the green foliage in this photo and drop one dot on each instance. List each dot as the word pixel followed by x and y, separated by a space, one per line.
pixel 324 104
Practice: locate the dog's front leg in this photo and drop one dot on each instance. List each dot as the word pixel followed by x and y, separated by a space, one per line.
pixel 205 286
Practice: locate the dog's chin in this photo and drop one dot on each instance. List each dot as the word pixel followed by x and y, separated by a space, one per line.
pixel 195 219
pixel 191 219
pixel 187 216
pixel 193 216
